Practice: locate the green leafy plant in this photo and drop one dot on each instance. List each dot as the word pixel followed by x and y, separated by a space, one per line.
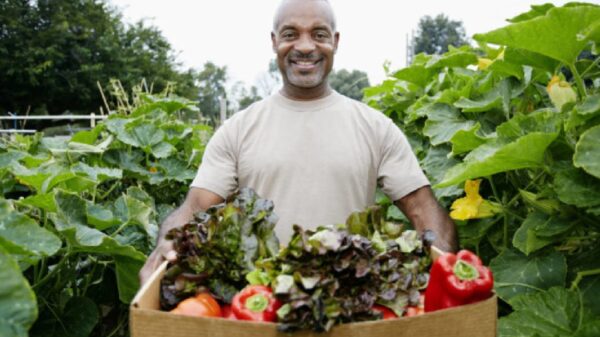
pixel 523 119
pixel 79 214
pixel 218 248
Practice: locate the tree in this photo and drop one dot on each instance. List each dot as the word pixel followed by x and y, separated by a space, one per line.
pixel 434 35
pixel 53 53
pixel 211 82
pixel 248 97
pixel 350 84
pixel 270 80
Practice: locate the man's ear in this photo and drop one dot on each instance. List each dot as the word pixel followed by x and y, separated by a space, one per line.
pixel 273 42
pixel 336 40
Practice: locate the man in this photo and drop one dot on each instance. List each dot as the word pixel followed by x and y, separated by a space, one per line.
pixel 317 154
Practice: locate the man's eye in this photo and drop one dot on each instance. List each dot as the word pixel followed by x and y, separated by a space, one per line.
pixel 321 36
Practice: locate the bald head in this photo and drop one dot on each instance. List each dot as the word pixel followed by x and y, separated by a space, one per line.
pixel 283 6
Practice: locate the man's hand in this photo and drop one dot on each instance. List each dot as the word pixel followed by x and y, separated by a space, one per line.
pixel 197 200
pixel 163 251
pixel 423 210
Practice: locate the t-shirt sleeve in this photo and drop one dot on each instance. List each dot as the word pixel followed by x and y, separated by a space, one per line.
pixel 218 170
pixel 399 172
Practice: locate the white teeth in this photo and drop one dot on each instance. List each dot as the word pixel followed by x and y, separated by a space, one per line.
pixel 302 63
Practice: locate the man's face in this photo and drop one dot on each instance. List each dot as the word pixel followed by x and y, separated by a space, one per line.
pixel 305 42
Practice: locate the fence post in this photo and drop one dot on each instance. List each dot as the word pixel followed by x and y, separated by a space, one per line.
pixel 92 120
pixel 223 110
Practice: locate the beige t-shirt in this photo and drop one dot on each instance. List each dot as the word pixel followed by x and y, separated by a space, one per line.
pixel 317 160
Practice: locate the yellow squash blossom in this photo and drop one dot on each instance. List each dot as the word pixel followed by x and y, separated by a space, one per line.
pixel 473 206
pixel 560 92
pixel 483 63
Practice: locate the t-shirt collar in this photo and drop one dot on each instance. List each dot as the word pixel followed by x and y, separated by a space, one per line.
pixel 312 105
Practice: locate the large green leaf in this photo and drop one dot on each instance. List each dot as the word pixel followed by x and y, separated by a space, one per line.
pixel 587 152
pixel 68 180
pixel 486 103
pixel 435 163
pixel 590 288
pixel 130 210
pixel 7 158
pixel 466 140
pixel 588 109
pixel 21 233
pixel 18 307
pixel 443 122
pixel 417 74
pixel 162 150
pixel 97 174
pixel 44 201
pixel 546 121
pixel 536 10
pixel 554 34
pixel 128 283
pixel 144 135
pixel 78 319
pixel 575 187
pixel 126 160
pixel 515 273
pixel 88 137
pixel 553 313
pixel 455 57
pixel 539 230
pixel 494 157
pixel 71 220
pixel 172 169
pixel 100 217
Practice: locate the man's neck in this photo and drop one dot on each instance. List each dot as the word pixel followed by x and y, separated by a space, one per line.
pixel 305 94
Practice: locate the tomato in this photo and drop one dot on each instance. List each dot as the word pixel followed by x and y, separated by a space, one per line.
pixel 387 312
pixel 414 311
pixel 201 305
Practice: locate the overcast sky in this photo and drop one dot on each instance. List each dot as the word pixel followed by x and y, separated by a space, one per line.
pixel 236 33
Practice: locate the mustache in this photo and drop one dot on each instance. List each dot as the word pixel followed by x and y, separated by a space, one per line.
pixel 300 56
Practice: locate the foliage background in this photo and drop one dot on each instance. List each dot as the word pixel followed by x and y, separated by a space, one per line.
pixel 78 214
pixel 493 114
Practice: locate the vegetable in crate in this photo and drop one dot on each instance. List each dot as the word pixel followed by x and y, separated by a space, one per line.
pixel 255 303
pixel 457 279
pixel 201 305
pixel 218 248
pixel 334 275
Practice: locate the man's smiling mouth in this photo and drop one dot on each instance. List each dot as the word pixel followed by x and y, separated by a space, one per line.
pixel 304 64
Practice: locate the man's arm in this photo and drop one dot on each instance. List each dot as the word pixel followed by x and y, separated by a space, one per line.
pixel 423 210
pixel 197 200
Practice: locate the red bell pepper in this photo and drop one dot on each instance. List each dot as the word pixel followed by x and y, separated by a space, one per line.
pixel 456 280
pixel 227 312
pixel 255 303
pixel 386 312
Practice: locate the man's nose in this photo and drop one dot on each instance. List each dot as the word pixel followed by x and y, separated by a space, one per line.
pixel 305 44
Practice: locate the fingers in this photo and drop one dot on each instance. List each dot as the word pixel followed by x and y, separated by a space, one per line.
pixel 163 251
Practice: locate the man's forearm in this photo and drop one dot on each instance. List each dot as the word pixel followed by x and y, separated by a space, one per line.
pixel 423 210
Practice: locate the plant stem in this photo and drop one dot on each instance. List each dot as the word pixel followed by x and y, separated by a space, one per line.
pixel 118 327
pixel 494 191
pixel 55 270
pixel 103 196
pixel 583 274
pixel 579 81
pixel 595 63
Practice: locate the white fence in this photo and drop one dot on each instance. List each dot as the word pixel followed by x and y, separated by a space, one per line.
pixel 91 117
